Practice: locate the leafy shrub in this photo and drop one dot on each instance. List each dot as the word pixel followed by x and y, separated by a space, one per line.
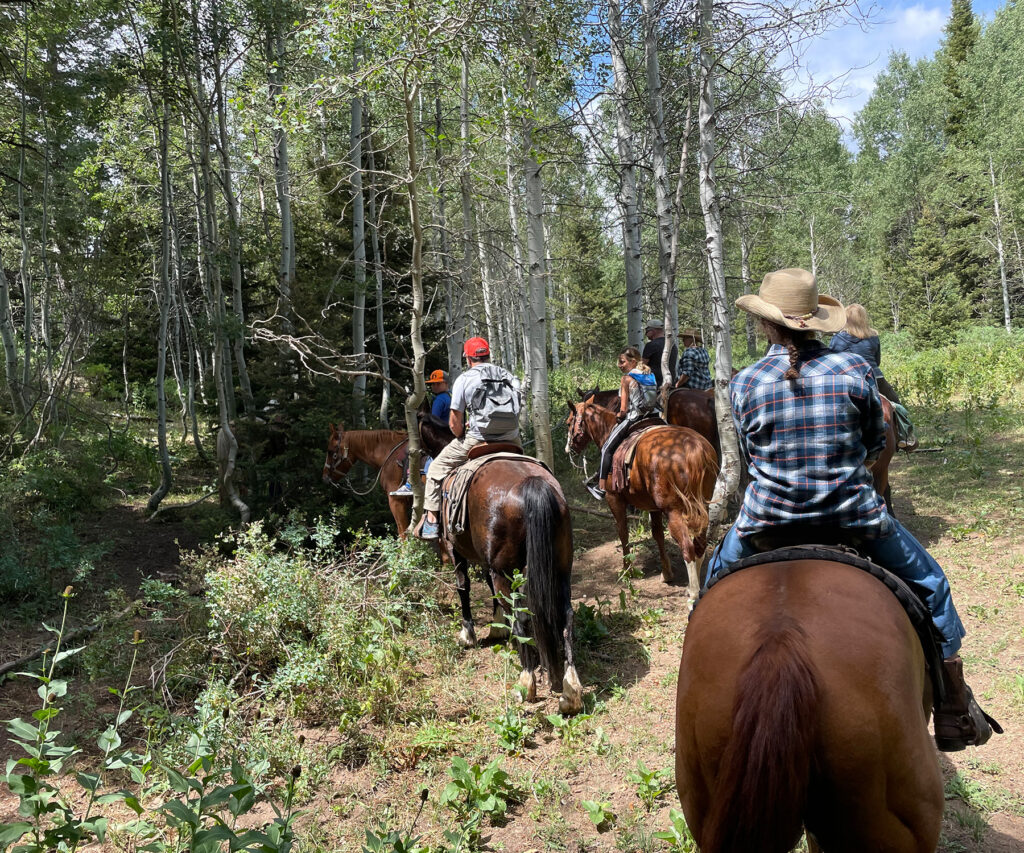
pixel 473 788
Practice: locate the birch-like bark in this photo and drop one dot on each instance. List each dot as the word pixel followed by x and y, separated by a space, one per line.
pixel 999 248
pixel 813 249
pixel 454 302
pixel 282 173
pixel 745 250
pixel 663 198
pixel 7 336
pixel 627 195
pixel 469 233
pixel 234 231
pixel 729 475
pixel 411 88
pixel 28 306
pixel 378 276
pixel 535 245
pixel 556 357
pixel 513 220
pixel 358 256
pixel 163 299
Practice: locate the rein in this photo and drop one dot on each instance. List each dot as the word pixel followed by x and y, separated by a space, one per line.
pixel 380 471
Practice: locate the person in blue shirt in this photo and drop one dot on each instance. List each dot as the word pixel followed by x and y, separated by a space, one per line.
pixel 858 336
pixel 638 399
pixel 437 384
pixel 808 420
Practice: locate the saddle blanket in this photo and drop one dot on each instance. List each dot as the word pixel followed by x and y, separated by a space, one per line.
pixel 625 453
pixel 455 506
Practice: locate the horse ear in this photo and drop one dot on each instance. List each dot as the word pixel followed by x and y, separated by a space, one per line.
pixel 572 408
pixel 334 429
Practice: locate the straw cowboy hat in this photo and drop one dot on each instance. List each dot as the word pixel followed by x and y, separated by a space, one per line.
pixel 790 298
pixel 692 333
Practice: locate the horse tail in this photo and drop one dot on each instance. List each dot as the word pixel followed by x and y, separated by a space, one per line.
pixel 701 471
pixel 764 774
pixel 542 514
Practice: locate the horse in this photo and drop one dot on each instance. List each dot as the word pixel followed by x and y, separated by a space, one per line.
pixel 696 410
pixel 673 475
pixel 803 703
pixel 686 408
pixel 518 521
pixel 382 449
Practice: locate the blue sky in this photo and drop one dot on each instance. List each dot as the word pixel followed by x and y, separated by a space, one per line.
pixel 915 28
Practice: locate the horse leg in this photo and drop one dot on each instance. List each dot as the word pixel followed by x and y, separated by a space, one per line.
pixel 677 527
pixel 658 532
pixel 571 700
pixel 498 630
pixel 400 511
pixel 617 504
pixel 467 636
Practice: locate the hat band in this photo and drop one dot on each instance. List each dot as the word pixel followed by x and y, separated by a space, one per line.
pixel 801 318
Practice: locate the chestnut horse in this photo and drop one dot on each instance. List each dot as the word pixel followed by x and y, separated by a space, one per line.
pixel 518 521
pixel 803 703
pixel 696 410
pixel 382 449
pixel 673 475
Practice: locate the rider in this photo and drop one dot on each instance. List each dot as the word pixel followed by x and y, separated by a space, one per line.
pixel 655 349
pixel 437 382
pixel 487 421
pixel 693 364
pixel 808 420
pixel 638 399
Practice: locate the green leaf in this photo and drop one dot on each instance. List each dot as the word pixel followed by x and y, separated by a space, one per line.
pixel 20 729
pixel 176 781
pixel 109 740
pixel 11 833
pixel 133 803
pixel 90 782
pixel 180 812
pixel 123 716
pixel 64 655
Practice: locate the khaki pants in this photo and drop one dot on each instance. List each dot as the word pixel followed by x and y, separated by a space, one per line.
pixel 454 455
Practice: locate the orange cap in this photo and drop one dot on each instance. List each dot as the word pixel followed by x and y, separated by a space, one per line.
pixel 436 376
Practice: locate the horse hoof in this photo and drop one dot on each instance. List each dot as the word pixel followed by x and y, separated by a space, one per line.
pixel 571 700
pixel 467 638
pixel 528 685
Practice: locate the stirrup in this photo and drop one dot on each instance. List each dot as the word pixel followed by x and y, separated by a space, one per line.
pixel 595 491
pixel 954 732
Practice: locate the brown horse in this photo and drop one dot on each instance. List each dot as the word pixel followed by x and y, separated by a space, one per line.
pixel 519 521
pixel 696 410
pixel 803 702
pixel 382 449
pixel 674 473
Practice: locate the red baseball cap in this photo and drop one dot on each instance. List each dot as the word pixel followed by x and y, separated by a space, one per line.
pixel 436 376
pixel 476 348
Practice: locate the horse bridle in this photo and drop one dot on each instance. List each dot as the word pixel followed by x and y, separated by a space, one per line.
pixel 332 468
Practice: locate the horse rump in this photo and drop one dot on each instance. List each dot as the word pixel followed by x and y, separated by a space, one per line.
pixel 770 750
pixel 545 589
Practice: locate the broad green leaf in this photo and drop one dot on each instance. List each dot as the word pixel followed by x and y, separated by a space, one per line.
pixel 11 833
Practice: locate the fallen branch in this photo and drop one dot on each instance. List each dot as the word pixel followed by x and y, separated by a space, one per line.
pixel 163 507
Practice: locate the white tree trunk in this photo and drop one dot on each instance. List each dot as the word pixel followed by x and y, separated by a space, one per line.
pixel 282 173
pixel 666 214
pixel 378 276
pixel 359 258
pixel 627 196
pixel 469 232
pixel 999 249
pixel 513 219
pixel 728 478
pixel 8 337
pixel 543 445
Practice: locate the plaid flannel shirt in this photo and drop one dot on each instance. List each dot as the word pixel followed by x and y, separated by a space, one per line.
pixel 694 363
pixel 807 444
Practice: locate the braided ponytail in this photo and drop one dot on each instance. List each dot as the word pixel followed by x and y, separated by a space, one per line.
pixel 792 340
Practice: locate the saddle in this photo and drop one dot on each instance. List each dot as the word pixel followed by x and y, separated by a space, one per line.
pixel 836 547
pixel 454 504
pixel 625 453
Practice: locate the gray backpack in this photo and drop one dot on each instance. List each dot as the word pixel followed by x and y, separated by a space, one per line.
pixel 494 406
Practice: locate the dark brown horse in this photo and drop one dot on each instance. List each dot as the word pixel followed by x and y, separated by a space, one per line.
pixel 519 521
pixel 880 467
pixel 673 475
pixel 381 449
pixel 803 702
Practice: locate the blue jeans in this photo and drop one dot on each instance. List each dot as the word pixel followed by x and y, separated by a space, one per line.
pixel 896 550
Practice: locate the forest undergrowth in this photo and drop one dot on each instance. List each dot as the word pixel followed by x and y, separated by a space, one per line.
pixel 288 687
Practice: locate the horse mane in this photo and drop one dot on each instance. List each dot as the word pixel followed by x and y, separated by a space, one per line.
pixel 363 439
pixel 434 432
pixel 768 753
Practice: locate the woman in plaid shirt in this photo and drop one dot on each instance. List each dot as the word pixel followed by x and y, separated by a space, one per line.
pixel 809 420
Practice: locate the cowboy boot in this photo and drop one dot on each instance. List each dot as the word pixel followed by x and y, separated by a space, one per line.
pixel 959 720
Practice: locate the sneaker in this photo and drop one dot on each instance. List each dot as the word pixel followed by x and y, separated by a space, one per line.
pixel 403 491
pixel 596 491
pixel 428 530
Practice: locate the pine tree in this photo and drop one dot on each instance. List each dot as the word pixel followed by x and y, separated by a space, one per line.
pixel 961 36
